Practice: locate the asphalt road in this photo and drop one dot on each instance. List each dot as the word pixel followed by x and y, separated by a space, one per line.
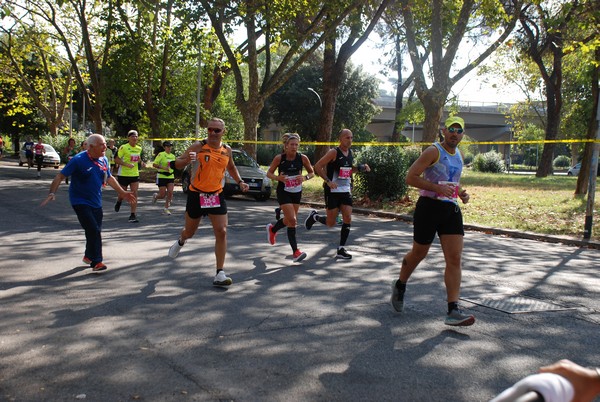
pixel 155 329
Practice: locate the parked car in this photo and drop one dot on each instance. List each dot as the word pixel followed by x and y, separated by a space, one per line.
pixel 51 157
pixel 250 171
pixel 574 170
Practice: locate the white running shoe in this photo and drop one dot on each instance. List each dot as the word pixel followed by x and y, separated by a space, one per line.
pixel 175 249
pixel 166 211
pixel 154 198
pixel 222 280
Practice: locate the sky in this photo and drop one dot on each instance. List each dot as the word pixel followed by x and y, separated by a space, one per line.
pixel 470 88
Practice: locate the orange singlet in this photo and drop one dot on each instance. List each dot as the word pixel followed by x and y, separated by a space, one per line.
pixel 212 163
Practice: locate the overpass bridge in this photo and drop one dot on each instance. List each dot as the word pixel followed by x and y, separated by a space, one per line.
pixel 484 121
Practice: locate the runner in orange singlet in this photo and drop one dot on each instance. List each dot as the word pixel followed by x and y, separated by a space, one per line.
pixel 205 197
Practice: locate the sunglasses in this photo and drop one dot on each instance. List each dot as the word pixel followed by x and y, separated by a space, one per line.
pixel 456 130
pixel 214 130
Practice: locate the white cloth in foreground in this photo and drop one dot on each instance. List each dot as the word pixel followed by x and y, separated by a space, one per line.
pixel 553 387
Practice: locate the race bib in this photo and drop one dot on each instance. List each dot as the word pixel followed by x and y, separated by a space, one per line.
pixel 135 158
pixel 454 194
pixel 293 181
pixel 209 200
pixel 345 173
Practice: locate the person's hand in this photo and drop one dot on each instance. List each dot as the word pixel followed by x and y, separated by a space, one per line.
pixel 51 197
pixel 464 196
pixel 585 381
pixel 446 190
pixel 244 187
pixel 129 197
pixel 332 185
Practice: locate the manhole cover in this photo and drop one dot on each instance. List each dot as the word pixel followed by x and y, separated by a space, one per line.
pixel 513 304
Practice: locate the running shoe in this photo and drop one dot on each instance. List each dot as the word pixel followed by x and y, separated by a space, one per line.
pixel 99 267
pixel 341 253
pixel 271 236
pixel 118 206
pixel 310 220
pixel 175 249
pixel 133 219
pixel 397 297
pixel 299 256
pixel 221 279
pixel 459 319
pixel 86 260
pixel 154 198
pixel 166 211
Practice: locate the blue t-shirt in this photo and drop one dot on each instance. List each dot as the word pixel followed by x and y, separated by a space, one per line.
pixel 87 177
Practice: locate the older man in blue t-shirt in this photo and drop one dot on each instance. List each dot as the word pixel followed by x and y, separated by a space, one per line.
pixel 90 172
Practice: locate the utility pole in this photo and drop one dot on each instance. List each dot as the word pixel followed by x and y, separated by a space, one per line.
pixel 589 211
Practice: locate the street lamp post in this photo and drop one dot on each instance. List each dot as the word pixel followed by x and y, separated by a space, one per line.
pixel 315 92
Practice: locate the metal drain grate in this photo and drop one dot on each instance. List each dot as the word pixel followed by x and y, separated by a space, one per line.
pixel 513 304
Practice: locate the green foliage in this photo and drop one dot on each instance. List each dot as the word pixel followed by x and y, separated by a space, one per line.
pixel 297 108
pixel 387 178
pixel 562 161
pixel 489 162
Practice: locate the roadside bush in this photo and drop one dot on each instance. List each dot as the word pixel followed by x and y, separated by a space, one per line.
pixel 489 162
pixel 562 161
pixel 386 181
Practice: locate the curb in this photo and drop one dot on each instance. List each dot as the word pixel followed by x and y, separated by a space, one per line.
pixel 567 240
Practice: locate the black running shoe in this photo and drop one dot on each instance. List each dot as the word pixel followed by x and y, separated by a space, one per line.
pixel 341 253
pixel 118 206
pixel 310 220
pixel 133 218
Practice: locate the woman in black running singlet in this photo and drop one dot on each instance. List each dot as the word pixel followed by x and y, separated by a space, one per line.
pixel 289 190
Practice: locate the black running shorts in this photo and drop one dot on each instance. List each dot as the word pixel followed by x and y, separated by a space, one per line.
pixel 336 200
pixel 192 207
pixel 434 216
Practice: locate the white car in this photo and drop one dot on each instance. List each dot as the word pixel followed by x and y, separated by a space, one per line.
pixel 51 157
pixel 574 170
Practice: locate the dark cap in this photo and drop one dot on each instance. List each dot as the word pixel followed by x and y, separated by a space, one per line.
pixel 167 144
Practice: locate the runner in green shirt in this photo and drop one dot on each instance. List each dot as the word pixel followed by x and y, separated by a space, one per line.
pixel 128 158
pixel 165 179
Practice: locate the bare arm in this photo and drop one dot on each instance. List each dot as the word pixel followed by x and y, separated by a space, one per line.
pixel 53 188
pixel 233 172
pixel 310 172
pixel 185 159
pixel 586 382
pixel 271 171
pixel 320 167
pixel 127 195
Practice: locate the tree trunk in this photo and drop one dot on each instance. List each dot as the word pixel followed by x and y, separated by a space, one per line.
pixel 398 125
pixel 553 107
pixel 53 127
pixel 434 109
pixel 331 84
pixel 584 174
pixel 96 115
pixel 250 110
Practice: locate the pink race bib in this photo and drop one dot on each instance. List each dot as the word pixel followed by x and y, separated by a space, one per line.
pixel 209 200
pixel 345 172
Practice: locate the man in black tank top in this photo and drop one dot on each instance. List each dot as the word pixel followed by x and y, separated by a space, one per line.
pixel 336 168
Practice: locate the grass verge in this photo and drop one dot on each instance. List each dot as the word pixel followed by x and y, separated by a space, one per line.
pixel 505 201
